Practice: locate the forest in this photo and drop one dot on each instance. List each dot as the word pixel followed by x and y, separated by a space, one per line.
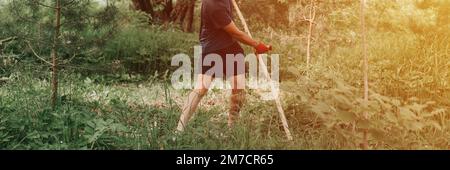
pixel 96 75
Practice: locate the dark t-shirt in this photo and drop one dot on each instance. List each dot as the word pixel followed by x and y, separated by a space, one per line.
pixel 215 15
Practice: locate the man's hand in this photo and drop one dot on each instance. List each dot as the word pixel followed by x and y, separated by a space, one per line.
pixel 261 48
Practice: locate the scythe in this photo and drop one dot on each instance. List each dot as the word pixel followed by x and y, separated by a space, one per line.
pixel 266 73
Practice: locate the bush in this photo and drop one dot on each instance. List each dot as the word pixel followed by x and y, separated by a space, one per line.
pixel 148 50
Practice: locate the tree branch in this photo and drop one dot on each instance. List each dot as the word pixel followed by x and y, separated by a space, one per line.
pixel 7 40
pixel 67 4
pixel 41 4
pixel 70 59
pixel 35 54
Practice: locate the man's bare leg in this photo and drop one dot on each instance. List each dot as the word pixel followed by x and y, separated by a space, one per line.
pixel 193 100
pixel 237 99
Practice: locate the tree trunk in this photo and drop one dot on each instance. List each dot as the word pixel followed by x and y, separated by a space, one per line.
pixel 312 17
pixel 365 144
pixel 158 15
pixel 144 6
pixel 189 19
pixel 54 53
pixel 183 13
pixel 167 11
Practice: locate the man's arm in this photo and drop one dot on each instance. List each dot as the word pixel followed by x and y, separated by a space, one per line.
pixel 242 37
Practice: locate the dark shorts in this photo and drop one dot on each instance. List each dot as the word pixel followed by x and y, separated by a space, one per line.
pixel 239 67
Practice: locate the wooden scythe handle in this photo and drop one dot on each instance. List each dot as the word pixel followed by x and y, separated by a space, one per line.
pixel 266 73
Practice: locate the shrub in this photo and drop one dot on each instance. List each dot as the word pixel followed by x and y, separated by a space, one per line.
pixel 148 50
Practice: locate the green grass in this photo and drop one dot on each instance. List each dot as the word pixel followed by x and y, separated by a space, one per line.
pixel 322 103
pixel 94 114
pixel 111 98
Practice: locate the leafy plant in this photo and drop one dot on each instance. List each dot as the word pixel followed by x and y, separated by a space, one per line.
pixel 97 130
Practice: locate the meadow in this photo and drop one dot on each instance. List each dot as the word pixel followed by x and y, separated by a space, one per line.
pixel 115 91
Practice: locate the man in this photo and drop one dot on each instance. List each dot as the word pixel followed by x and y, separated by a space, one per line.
pixel 219 35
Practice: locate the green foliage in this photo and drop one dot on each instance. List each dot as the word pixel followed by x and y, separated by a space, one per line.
pixel 143 50
pixel 409 79
pixel 93 115
pixel 85 29
pixel 390 122
pixel 96 130
pixel 93 38
pixel 4 134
